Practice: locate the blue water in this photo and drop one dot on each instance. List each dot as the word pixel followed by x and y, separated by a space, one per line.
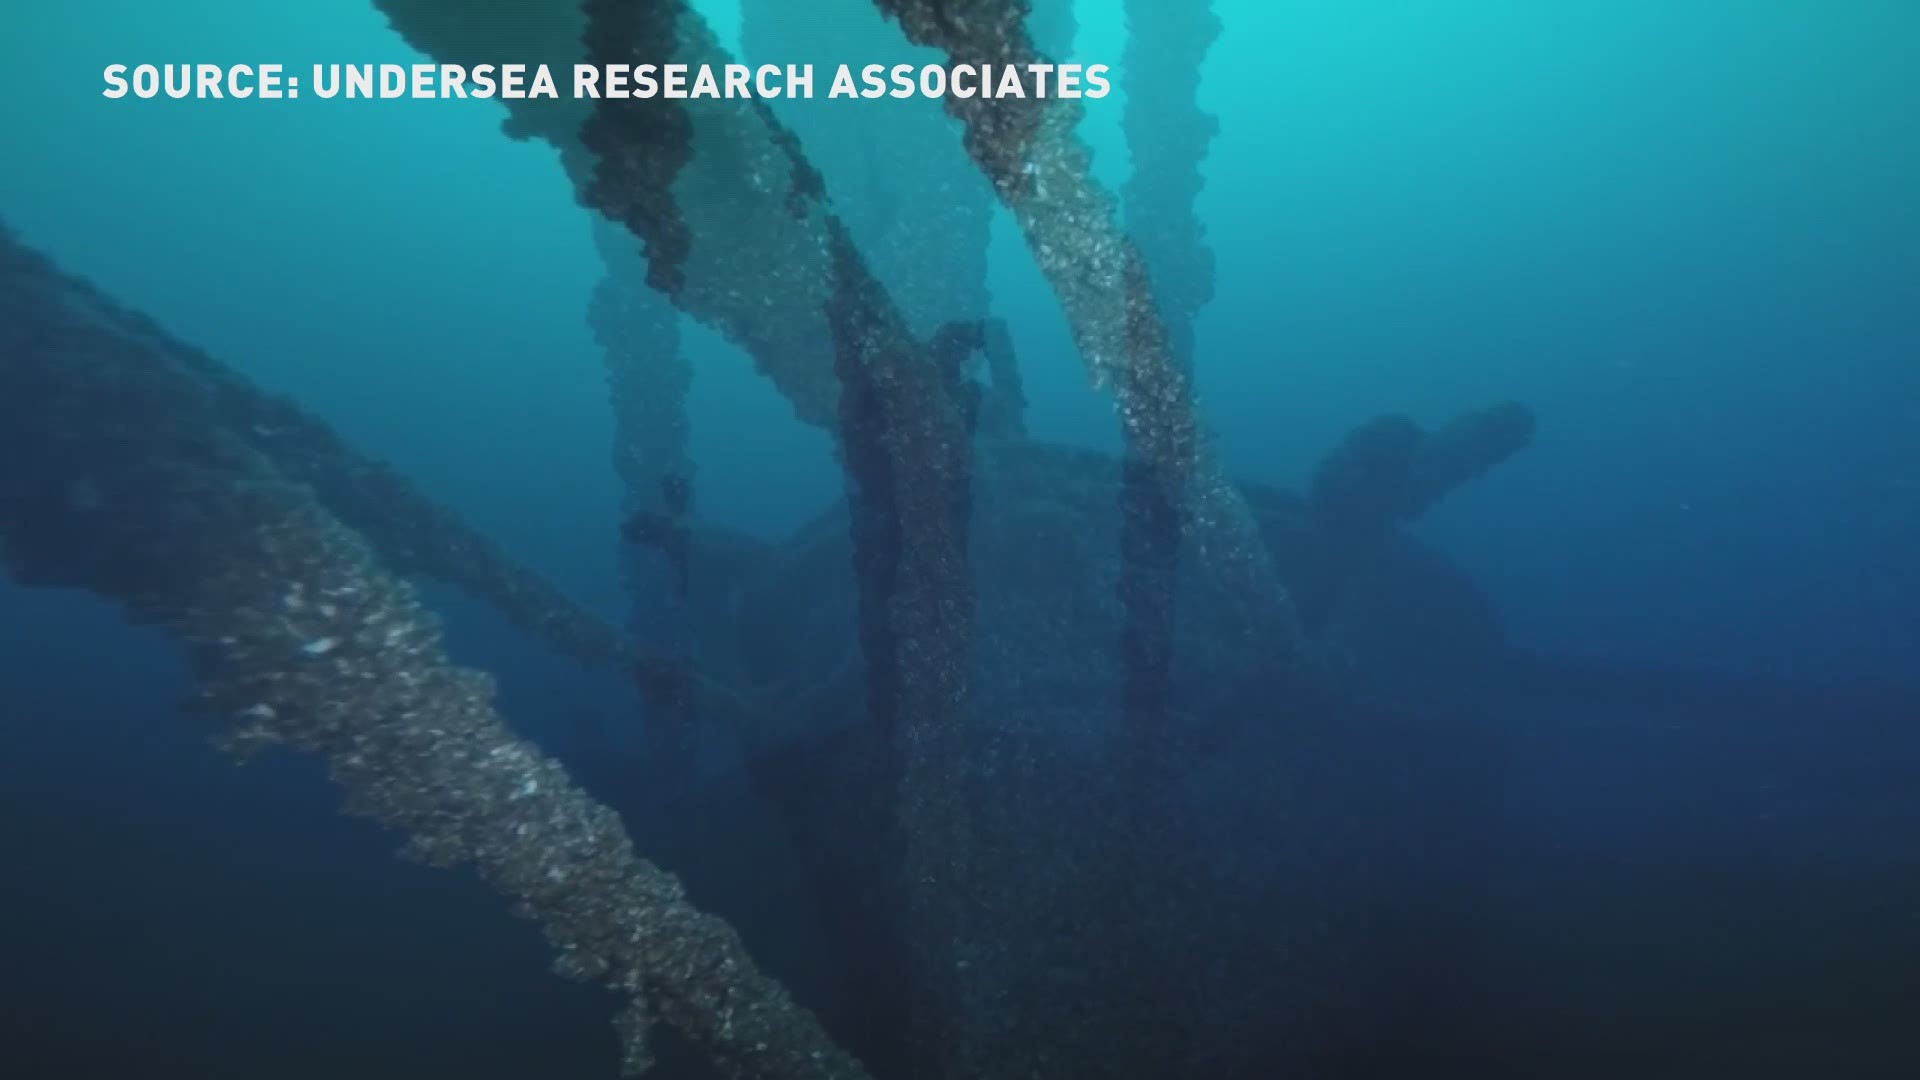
pixel 1684 234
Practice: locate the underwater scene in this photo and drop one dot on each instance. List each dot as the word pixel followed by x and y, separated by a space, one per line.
pixel 1152 539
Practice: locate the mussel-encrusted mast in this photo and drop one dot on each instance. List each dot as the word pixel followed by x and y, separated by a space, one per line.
pixel 1039 168
pixel 1029 149
pixel 122 476
pixel 413 534
pixel 903 419
pixel 1167 137
pixel 918 210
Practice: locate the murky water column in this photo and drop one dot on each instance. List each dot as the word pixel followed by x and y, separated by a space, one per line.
pixel 1053 27
pixel 648 378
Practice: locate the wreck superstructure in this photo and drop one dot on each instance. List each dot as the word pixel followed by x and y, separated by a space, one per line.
pixel 248 530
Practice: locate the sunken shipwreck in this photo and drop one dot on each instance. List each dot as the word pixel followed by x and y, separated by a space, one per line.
pixel 1383 547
